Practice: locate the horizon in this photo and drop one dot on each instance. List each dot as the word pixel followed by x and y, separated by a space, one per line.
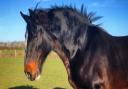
pixel 13 27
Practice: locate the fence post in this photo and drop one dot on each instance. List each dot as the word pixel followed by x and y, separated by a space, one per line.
pixel 15 53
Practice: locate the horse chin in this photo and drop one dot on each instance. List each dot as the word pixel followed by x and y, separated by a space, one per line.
pixel 34 78
pixel 38 77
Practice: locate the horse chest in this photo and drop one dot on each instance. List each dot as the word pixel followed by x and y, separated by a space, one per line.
pixel 80 76
pixel 91 76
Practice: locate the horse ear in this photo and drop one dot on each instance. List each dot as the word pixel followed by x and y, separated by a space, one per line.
pixel 31 12
pixel 25 17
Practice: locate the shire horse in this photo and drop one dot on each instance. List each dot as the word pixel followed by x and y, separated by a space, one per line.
pixel 93 58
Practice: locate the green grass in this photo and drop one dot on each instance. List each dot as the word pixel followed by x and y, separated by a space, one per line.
pixel 53 76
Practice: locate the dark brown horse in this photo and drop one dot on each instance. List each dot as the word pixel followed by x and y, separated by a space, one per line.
pixel 93 58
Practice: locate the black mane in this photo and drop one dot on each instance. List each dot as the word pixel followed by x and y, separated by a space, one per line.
pixel 90 17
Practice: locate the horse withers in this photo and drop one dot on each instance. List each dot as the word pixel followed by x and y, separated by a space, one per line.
pixel 93 58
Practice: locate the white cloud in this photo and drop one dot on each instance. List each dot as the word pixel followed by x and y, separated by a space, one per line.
pixel 95 4
pixel 106 3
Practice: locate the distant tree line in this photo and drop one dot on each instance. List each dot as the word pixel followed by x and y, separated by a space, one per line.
pixel 12 45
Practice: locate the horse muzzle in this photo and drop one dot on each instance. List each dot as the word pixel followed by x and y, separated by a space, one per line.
pixel 32 71
pixel 32 77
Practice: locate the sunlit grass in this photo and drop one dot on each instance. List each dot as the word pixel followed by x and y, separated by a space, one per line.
pixel 53 75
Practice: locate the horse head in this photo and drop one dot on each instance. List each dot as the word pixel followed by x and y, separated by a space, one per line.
pixel 38 44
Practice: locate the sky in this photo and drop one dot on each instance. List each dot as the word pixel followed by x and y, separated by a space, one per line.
pixel 12 26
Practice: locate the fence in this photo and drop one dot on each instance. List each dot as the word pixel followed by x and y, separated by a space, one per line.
pixel 7 53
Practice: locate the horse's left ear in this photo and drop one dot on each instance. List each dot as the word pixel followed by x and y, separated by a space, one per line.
pixel 25 17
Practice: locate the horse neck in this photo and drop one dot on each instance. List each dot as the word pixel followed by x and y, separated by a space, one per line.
pixel 65 59
pixel 57 47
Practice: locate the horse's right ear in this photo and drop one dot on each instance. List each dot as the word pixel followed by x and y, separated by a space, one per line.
pixel 25 17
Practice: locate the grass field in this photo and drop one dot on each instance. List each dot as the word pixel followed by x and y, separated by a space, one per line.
pixel 53 77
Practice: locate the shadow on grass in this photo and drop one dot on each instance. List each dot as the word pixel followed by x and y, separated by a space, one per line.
pixel 23 87
pixel 59 88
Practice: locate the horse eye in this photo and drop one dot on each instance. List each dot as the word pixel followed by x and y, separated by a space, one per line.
pixel 35 35
pixel 38 48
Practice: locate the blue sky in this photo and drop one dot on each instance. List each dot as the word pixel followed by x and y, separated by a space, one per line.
pixel 12 26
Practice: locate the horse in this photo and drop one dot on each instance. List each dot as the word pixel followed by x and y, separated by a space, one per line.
pixel 93 58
